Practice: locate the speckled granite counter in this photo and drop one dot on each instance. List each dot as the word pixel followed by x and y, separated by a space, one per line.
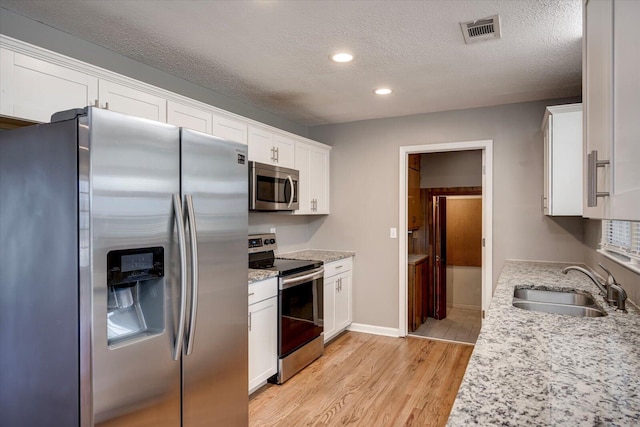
pixel 317 255
pixel 539 369
pixel 257 275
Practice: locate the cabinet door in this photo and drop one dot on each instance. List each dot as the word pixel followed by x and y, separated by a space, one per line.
pixel 132 101
pixel 598 39
pixel 189 117
pixel 319 180
pixel 261 147
pixel 233 130
pixel 329 302
pixel 284 146
pixel 343 301
pixel 263 341
pixel 303 165
pixel 625 179
pixel 34 89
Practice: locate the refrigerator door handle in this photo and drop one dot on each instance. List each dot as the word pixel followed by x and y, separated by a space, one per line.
pixel 191 219
pixel 177 210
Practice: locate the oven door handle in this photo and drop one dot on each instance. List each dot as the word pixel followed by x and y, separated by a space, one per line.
pixel 294 281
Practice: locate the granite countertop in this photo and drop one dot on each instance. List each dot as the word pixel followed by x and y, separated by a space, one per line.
pixel 540 369
pixel 317 255
pixel 416 258
pixel 257 275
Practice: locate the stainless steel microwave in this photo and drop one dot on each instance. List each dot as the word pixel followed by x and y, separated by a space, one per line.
pixel 272 188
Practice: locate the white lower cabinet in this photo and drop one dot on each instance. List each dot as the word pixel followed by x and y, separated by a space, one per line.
pixel 337 297
pixel 263 332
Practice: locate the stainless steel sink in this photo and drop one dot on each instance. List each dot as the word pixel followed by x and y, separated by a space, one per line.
pixel 555 297
pixel 571 310
pixel 559 302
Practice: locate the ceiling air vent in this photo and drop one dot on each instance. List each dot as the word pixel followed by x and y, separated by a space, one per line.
pixel 481 30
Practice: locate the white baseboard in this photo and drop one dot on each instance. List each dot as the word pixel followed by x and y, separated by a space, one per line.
pixel 375 330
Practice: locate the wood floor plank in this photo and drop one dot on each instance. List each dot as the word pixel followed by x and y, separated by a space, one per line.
pixel 368 380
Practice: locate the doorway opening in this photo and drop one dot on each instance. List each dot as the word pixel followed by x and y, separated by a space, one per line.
pixel 445 281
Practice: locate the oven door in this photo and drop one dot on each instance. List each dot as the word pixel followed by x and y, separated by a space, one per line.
pixel 272 188
pixel 301 310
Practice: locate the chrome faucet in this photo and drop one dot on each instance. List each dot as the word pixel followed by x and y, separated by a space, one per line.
pixel 612 291
pixel 590 275
pixel 616 295
pixel 622 297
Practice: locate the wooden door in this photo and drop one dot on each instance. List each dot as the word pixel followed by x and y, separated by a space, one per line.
pixel 440 257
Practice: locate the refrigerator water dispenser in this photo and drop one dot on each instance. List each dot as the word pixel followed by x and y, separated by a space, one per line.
pixel 135 294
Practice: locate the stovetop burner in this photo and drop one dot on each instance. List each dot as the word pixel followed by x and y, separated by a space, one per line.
pixel 262 256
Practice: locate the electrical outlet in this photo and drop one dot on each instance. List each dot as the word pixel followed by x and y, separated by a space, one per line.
pixel 393 233
pixel 272 230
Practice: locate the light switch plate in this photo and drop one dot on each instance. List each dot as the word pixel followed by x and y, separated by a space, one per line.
pixel 272 230
pixel 393 233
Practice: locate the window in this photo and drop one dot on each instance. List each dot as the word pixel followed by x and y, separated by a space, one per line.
pixel 621 242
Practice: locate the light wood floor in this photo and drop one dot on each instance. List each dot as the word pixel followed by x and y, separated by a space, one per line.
pixel 461 325
pixel 368 380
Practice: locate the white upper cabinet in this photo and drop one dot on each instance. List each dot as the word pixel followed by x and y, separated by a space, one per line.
pixel 132 101
pixel 270 148
pixel 562 130
pixel 227 128
pixel 34 89
pixel 206 120
pixel 312 160
pixel 183 115
pixel 611 98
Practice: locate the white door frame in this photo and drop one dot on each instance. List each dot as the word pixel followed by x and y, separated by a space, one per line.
pixel 487 218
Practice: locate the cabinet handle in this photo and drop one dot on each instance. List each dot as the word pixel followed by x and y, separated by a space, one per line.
pixel 338 266
pixel 249 321
pixel 544 203
pixel 592 178
pixel 106 105
pixel 96 103
pixel 252 293
pixel 273 154
pixel 277 154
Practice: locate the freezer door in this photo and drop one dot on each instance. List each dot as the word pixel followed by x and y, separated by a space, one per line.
pixel 215 364
pixel 134 171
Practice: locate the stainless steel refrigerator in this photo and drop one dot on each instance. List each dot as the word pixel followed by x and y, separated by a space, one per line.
pixel 123 274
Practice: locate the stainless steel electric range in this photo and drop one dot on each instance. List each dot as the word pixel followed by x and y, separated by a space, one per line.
pixel 300 305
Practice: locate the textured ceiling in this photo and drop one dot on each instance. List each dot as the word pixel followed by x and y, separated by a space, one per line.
pixel 274 54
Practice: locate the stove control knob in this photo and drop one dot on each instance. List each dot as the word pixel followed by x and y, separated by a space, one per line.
pixel 273 241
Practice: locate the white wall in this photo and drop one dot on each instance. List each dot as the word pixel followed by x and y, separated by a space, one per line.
pixel 292 231
pixel 365 199
pixel 464 286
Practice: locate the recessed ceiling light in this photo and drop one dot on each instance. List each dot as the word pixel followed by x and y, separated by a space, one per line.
pixel 341 57
pixel 382 91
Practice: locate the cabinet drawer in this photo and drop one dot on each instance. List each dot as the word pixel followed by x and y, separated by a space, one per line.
pixel 337 267
pixel 259 291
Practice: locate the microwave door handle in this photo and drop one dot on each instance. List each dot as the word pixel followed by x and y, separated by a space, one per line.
pixel 177 211
pixel 293 191
pixel 191 219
